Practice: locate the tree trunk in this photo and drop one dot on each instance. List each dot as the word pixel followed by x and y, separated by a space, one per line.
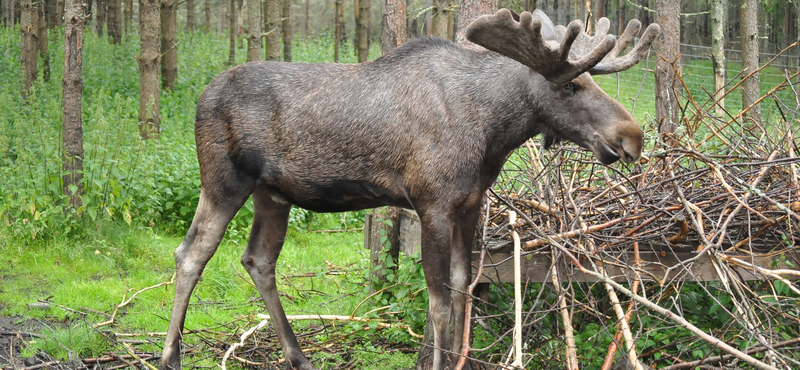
pixel 749 37
pixel 440 23
pixel 338 32
pixel 99 16
pixel 72 88
pixel 232 32
pixel 149 69
pixel 190 15
pixel 273 30
pixel 207 11
pixel 113 21
pixel 127 16
pixel 286 30
pixel 668 65
pixel 29 27
pixel 50 7
pixel 718 8
pixel 393 24
pixel 587 18
pixel 42 41
pixel 562 11
pixel 253 29
pixel 362 12
pixel 470 10
pixel 169 44
pixel 306 6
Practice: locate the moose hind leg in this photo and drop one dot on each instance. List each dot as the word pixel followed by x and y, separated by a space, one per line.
pixel 266 240
pixel 201 241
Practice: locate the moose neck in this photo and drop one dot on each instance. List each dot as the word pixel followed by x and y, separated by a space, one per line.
pixel 507 95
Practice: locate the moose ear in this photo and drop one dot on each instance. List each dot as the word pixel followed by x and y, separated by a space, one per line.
pixel 548 28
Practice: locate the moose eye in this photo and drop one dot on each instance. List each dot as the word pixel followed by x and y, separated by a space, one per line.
pixel 569 87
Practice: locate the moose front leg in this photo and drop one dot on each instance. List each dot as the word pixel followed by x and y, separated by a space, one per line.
pixel 460 272
pixel 437 236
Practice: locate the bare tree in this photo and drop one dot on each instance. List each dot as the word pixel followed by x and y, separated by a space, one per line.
pixel 72 89
pixel 127 16
pixel 362 13
pixel 253 29
pixel 42 42
pixel 393 24
pixel 169 44
pixel 232 32
pixel 668 65
pixel 29 27
pixel 9 12
pixel 338 26
pixel 440 24
pixel 718 8
pixel 306 5
pixel 114 21
pixel 99 16
pixel 207 11
pixel 750 87
pixel 149 69
pixel 273 30
pixel 286 30
pixel 190 23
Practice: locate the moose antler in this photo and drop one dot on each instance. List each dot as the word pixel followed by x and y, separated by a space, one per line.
pixel 559 53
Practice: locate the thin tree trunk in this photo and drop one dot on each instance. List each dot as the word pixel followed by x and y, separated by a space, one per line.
pixel 99 16
pixel 749 37
pixel 222 16
pixel 273 30
pixel 393 22
pixel 253 28
pixel 362 29
pixel 306 5
pixel 190 15
pixel 718 8
pixel 668 65
pixel 287 30
pixel 29 27
pixel 72 88
pixel 562 10
pixel 149 69
pixel 440 22
pixel 113 21
pixel 338 29
pixel 169 44
pixel 42 41
pixel 59 13
pixel 50 12
pixel 127 16
pixel 207 11
pixel 232 32
pixel 587 18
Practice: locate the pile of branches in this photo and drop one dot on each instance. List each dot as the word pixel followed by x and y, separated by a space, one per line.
pixel 723 187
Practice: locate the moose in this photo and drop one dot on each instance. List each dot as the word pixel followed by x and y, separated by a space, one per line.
pixel 427 127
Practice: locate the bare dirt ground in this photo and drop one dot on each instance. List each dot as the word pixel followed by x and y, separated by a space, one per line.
pixel 14 331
